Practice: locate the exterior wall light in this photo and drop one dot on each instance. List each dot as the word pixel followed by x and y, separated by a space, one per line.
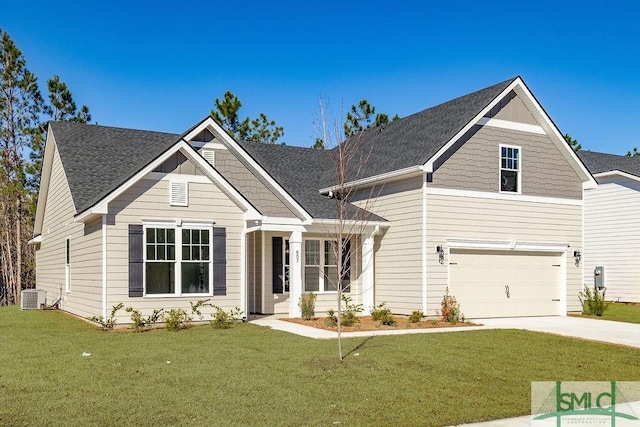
pixel 440 252
pixel 577 256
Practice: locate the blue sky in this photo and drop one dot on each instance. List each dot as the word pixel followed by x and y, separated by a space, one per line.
pixel 159 65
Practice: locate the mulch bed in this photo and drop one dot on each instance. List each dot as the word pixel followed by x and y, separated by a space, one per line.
pixel 367 324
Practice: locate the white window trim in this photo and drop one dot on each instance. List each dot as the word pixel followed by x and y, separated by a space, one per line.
pixel 519 170
pixel 178 227
pixel 321 284
pixel 67 265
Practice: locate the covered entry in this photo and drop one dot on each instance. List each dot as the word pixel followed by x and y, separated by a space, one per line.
pixel 496 283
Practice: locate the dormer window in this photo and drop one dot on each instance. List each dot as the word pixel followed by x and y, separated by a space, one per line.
pixel 509 169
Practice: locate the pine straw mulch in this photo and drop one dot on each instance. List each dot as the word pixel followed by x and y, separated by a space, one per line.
pixel 367 323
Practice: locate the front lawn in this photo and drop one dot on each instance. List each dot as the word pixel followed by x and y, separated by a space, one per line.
pixel 250 375
pixel 620 312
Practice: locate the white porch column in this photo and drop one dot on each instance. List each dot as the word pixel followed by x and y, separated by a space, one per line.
pixel 295 274
pixel 367 271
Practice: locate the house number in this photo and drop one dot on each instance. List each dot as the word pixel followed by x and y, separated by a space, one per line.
pixel 297 256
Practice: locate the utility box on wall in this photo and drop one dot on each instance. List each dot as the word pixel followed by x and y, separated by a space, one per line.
pixel 598 277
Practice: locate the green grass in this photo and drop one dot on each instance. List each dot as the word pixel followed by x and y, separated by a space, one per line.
pixel 250 375
pixel 620 312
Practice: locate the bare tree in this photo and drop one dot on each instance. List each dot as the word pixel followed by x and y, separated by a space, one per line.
pixel 352 207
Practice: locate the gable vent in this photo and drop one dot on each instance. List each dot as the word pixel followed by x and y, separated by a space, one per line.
pixel 209 156
pixel 179 193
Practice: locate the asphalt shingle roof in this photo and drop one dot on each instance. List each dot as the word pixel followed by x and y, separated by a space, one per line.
pixel 603 162
pixel 414 139
pixel 98 159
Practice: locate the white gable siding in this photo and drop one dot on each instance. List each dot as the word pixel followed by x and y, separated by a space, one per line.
pixel 612 236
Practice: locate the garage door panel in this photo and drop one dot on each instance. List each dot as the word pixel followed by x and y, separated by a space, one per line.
pixel 505 283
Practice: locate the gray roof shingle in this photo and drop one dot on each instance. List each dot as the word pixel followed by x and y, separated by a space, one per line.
pixel 414 139
pixel 98 159
pixel 603 162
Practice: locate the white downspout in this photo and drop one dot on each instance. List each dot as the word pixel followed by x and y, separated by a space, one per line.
pixel 104 266
pixel 424 243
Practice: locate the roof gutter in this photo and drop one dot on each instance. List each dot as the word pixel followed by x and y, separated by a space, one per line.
pixel 389 176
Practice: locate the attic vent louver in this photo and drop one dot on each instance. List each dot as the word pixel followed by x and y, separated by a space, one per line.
pixel 179 193
pixel 209 156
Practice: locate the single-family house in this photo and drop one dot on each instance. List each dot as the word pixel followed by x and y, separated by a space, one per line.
pixel 480 194
pixel 611 235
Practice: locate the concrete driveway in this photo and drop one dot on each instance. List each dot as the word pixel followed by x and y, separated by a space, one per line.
pixel 589 329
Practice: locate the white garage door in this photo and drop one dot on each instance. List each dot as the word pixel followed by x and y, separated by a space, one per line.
pixel 506 283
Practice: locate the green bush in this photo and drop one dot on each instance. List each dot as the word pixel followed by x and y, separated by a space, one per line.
pixel 450 309
pixel 382 314
pixel 415 316
pixel 195 307
pixel 176 319
pixel 140 322
pixel 110 322
pixel 593 301
pixel 224 320
pixel 349 315
pixel 307 306
pixel 331 320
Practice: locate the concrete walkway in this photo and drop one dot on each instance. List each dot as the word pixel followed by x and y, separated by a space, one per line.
pixel 590 329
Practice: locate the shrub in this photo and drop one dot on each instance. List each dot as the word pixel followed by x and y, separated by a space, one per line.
pixel 450 309
pixel 110 322
pixel 195 307
pixel 415 316
pixel 593 301
pixel 176 319
pixel 349 315
pixel 224 320
pixel 382 314
pixel 331 320
pixel 140 322
pixel 307 306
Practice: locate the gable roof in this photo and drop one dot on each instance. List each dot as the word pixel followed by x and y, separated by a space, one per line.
pixel 599 163
pixel 415 139
pixel 301 172
pixel 98 159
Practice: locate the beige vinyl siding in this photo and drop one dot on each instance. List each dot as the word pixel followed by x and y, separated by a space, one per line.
pixel 85 297
pixel 612 236
pixel 251 186
pixel 254 272
pixel 398 249
pixel 475 165
pixel 478 218
pixel 511 108
pixel 148 200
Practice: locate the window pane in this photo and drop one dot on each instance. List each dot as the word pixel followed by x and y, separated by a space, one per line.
pixel 186 253
pixel 186 236
pixel 160 235
pixel 311 279
pixel 151 235
pixel 171 235
pixel 160 253
pixel 151 252
pixel 204 254
pixel 330 248
pixel 331 278
pixel 195 277
pixel 286 253
pixel 204 237
pixel 515 164
pixel 509 181
pixel 195 252
pixel 515 153
pixel 160 277
pixel 286 278
pixel 171 252
pixel 312 252
pixel 504 163
pixel 504 152
pixel 195 236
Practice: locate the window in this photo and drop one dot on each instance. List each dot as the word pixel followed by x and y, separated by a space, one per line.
pixel 67 265
pixel 321 256
pixel 165 266
pixel 281 264
pixel 509 169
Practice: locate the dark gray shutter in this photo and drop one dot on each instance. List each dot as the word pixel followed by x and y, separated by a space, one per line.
pixel 276 256
pixel 346 265
pixel 219 261
pixel 136 262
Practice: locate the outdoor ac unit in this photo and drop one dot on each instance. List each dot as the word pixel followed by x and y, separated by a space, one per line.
pixel 32 299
